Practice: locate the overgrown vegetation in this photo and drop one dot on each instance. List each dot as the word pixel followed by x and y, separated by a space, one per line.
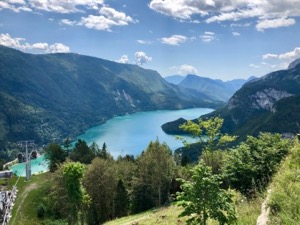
pixel 230 181
pixel 285 190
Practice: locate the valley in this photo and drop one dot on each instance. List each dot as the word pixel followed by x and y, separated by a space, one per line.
pixel 55 96
pixel 125 149
pixel 158 112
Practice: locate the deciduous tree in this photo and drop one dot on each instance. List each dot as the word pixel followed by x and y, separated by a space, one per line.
pixel 153 176
pixel 72 174
pixel 208 133
pixel 202 198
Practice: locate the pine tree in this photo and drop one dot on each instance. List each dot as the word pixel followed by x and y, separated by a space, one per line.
pixel 121 200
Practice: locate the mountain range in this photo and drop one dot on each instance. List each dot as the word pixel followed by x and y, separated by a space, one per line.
pixel 216 89
pixel 270 104
pixel 54 96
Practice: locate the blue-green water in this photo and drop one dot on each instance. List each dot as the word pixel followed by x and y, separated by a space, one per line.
pixel 128 134
pixel 38 165
pixel 131 134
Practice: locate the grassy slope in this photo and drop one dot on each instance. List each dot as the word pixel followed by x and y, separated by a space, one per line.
pixel 32 193
pixel 28 198
pixel 247 213
pixel 164 215
pixel 285 196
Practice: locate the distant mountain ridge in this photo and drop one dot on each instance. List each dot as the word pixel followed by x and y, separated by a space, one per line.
pixel 269 104
pixel 215 89
pixel 174 79
pixel 52 96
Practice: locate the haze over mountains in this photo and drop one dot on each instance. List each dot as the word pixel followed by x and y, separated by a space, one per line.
pixel 52 96
pixel 216 89
pixel 270 103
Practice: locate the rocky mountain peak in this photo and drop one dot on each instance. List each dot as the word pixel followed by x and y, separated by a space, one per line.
pixel 294 64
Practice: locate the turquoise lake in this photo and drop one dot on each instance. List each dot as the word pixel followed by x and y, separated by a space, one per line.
pixel 128 134
pixel 131 134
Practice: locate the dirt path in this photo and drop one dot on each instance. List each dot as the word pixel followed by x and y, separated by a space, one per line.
pixel 22 198
pixel 263 218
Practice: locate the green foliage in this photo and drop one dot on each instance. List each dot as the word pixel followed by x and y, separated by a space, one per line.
pixel 100 182
pixel 285 191
pixel 72 174
pixel 202 198
pixel 250 166
pixel 67 145
pixel 41 211
pixel 152 178
pixel 55 155
pixel 121 200
pixel 82 153
pixel 208 134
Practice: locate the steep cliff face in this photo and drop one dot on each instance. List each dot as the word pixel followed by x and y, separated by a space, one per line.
pixel 264 99
pixel 256 105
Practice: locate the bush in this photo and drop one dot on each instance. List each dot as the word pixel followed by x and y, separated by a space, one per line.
pixel 250 166
pixel 41 211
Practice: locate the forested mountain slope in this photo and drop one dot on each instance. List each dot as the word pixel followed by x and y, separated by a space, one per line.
pixel 46 97
pixel 271 103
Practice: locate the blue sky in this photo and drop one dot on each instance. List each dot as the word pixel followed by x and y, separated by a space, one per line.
pixel 212 38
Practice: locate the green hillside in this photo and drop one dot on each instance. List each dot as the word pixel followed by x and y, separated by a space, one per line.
pixel 284 200
pixel 49 97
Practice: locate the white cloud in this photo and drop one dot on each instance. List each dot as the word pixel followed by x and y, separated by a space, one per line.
pixel 185 69
pixel 14 5
pixel 68 22
pixel 292 55
pixel 269 56
pixel 236 34
pixel 254 66
pixel 144 42
pixel 174 40
pixel 62 6
pixel 268 12
pixel 40 46
pixel 58 48
pixel 240 24
pixel 181 9
pixel 274 23
pixel 208 36
pixel 18 43
pixel 142 58
pixel 123 59
pixel 281 60
pixel 236 15
pixel 108 18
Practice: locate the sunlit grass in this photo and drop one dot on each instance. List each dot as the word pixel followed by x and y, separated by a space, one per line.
pixel 29 196
pixel 165 215
pixel 285 196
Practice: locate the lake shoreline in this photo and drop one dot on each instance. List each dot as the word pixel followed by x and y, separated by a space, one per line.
pixel 92 134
